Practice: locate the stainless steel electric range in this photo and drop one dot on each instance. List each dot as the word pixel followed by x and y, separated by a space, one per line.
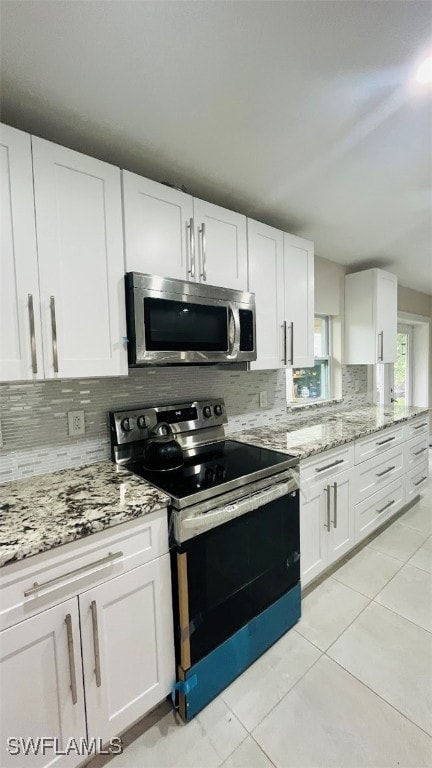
pixel 234 537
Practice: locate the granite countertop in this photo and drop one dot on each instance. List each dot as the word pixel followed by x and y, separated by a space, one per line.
pixel 42 512
pixel 314 432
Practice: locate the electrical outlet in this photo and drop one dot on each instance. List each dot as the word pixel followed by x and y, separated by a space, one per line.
pixel 356 385
pixel 263 399
pixel 76 423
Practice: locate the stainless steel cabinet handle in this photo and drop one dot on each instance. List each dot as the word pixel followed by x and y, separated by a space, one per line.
pixel 385 507
pixel 54 334
pixel 93 608
pixel 292 343
pixel 58 579
pixel 70 642
pixel 422 450
pixel 203 253
pixel 389 469
pixel 381 347
pixel 284 328
pixel 327 524
pixel 419 426
pixel 329 466
pixel 335 504
pixel 32 333
pixel 191 270
pixel 382 442
pixel 420 481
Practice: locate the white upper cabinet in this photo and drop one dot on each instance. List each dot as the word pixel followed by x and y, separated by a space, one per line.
pixel 299 301
pixel 172 234
pixel 158 222
pixel 281 274
pixel 20 327
pixel 221 253
pixel 266 275
pixel 370 317
pixel 81 263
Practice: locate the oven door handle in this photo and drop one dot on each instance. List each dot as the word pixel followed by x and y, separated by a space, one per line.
pixel 236 508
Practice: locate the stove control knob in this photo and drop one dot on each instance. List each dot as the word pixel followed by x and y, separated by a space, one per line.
pixel 218 410
pixel 127 424
pixel 142 422
pixel 207 411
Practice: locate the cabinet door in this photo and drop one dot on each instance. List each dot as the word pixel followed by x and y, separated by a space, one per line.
pixel 299 300
pixel 81 265
pixel 386 315
pixel 341 535
pixel 313 531
pixel 265 268
pixel 128 647
pixel 221 246
pixel 158 229
pixel 20 329
pixel 39 669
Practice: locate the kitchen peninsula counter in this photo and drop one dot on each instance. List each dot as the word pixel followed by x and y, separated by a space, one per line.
pixel 45 511
pixel 314 432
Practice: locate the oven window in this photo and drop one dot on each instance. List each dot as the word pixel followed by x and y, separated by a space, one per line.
pixel 238 569
pixel 177 326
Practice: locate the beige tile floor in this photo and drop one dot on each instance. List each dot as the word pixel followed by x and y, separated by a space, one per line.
pixel 350 685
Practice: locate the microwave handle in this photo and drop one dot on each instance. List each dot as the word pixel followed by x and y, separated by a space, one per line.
pixel 233 322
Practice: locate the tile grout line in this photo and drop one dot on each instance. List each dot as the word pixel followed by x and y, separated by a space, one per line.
pixel 410 621
pixel 348 672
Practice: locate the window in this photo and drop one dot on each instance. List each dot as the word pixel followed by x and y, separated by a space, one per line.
pixel 309 384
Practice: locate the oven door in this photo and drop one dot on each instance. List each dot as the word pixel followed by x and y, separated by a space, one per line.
pixel 226 576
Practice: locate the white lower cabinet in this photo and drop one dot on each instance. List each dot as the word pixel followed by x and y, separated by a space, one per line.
pixel 91 665
pixel 42 687
pixel 126 628
pixel 361 486
pixel 326 523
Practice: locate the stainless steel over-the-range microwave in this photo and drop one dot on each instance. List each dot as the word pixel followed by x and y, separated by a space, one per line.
pixel 172 321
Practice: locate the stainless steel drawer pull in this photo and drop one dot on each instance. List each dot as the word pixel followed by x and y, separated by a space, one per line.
pixel 327 524
pixel 292 343
pixel 383 442
pixel 420 426
pixel 389 469
pixel 381 347
pixel 70 642
pixel 422 450
pixel 93 608
pixel 32 333
pixel 385 507
pixel 58 579
pixel 335 504
pixel 190 226
pixel 420 481
pixel 54 334
pixel 329 466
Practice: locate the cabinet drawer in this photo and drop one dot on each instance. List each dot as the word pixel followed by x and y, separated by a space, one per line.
pixel 63 572
pixel 415 450
pixel 327 464
pixel 375 444
pixel 418 426
pixel 372 475
pixel 416 479
pixel 376 509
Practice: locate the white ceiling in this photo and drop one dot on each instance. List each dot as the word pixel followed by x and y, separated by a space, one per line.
pixel 297 113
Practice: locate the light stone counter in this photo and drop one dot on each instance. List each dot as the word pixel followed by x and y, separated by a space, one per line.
pixel 314 432
pixel 45 511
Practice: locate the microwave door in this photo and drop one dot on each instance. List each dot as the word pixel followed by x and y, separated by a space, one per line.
pixel 177 329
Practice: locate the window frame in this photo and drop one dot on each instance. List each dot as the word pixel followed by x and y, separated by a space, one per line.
pixel 326 359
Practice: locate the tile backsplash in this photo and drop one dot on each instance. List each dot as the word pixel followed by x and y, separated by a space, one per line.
pixel 34 414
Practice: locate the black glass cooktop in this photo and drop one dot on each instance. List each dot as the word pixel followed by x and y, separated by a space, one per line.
pixel 219 467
